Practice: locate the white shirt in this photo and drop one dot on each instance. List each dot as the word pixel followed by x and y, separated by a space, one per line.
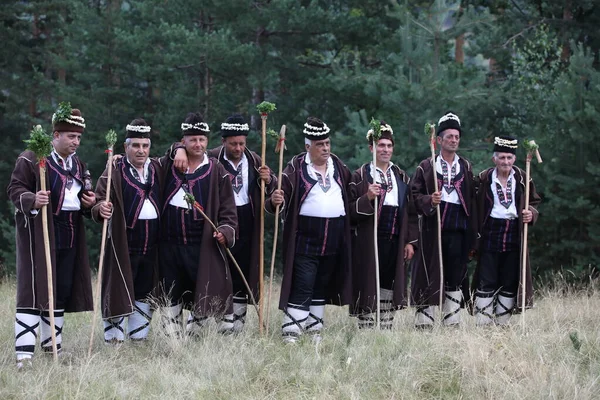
pixel 148 210
pixel 241 198
pixel 319 203
pixel 499 211
pixel 177 200
pixel 451 197
pixel 391 197
pixel 70 201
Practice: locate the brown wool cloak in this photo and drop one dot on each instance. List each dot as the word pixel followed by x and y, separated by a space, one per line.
pixel 485 202
pixel 364 290
pixel 339 291
pixel 254 162
pixel 118 295
pixel 214 291
pixel 32 286
pixel 425 276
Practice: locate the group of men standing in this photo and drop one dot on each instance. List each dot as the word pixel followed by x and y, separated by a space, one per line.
pixel 170 221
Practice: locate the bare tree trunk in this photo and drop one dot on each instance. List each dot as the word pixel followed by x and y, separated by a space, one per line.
pixel 567 18
pixel 459 54
pixel 258 95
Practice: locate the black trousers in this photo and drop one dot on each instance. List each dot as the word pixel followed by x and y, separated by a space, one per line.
pixel 499 271
pixel 142 271
pixel 241 252
pixel 388 255
pixel 178 268
pixel 65 266
pixel 455 256
pixel 310 278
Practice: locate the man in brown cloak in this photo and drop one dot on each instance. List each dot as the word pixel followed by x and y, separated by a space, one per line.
pixel 131 261
pixel 68 199
pixel 397 234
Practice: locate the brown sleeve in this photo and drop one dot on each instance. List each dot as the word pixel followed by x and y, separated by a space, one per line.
pixel 534 201
pixel 286 186
pixel 418 188
pixel 360 205
pixel 100 195
pixel 23 183
pixel 412 235
pixel 227 222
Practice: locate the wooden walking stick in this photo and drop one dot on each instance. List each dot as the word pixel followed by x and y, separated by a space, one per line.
pixel 375 133
pixel 430 130
pixel 532 148
pixel 111 139
pixel 41 144
pixel 192 203
pixel 278 149
pixel 264 109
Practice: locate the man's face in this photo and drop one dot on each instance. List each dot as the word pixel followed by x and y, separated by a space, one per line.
pixel 195 145
pixel 504 162
pixel 449 140
pixel 384 149
pixel 234 147
pixel 66 143
pixel 319 151
pixel 137 151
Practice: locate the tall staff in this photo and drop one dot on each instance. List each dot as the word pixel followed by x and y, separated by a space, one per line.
pixel 264 109
pixel 430 130
pixel 375 131
pixel 532 148
pixel 41 145
pixel 278 149
pixel 192 203
pixel 111 139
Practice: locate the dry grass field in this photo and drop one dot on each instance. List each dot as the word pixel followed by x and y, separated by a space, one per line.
pixel 556 356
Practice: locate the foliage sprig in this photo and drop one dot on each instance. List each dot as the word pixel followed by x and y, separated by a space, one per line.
pixel 375 130
pixel 111 138
pixel 265 107
pixel 272 134
pixel 39 142
pixel 63 112
pixel 530 146
pixel 429 126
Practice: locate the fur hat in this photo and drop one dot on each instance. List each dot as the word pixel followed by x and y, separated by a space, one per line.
pixel 139 129
pixel 67 119
pixel 315 129
pixel 386 133
pixel 234 125
pixel 505 144
pixel 194 125
pixel 449 121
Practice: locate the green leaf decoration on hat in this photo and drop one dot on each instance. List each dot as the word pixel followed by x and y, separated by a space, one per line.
pixel 265 107
pixel 63 112
pixel 530 146
pixel 375 126
pixel 111 138
pixel 39 142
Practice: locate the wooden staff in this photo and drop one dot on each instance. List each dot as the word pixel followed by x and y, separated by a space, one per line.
pixel 261 248
pixel 48 261
pixel 375 241
pixel 264 109
pixel 432 137
pixel 189 198
pixel 532 148
pixel 41 144
pixel 278 149
pixel 111 138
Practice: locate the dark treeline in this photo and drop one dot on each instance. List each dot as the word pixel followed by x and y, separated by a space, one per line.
pixel 524 68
